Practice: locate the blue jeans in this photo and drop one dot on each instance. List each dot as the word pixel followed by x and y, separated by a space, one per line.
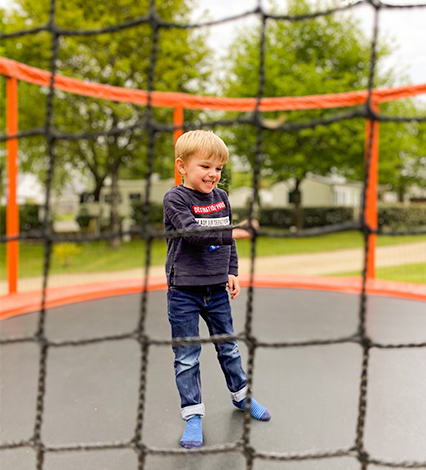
pixel 185 306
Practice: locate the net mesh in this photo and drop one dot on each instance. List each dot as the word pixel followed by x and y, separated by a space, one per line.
pixel 139 335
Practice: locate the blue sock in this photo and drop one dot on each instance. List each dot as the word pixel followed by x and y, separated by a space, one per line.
pixel 256 409
pixel 193 434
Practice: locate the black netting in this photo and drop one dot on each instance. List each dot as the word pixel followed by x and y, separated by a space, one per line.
pixel 152 127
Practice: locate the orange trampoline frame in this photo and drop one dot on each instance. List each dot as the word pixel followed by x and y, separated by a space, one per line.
pixel 16 303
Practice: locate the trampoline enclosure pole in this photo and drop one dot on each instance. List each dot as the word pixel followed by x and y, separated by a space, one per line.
pixel 371 207
pixel 12 213
pixel 177 122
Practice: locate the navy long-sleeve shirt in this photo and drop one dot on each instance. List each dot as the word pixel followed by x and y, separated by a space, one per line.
pixel 199 259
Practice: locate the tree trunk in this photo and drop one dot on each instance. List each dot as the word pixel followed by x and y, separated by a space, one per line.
pixel 401 193
pixel 298 209
pixel 2 168
pixel 115 242
pixel 99 184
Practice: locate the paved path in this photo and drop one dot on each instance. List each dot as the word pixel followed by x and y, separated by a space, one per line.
pixel 339 261
pixel 329 262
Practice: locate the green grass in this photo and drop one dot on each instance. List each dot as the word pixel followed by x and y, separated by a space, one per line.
pixel 406 273
pixel 93 257
pixel 96 256
pixel 415 273
pixel 330 242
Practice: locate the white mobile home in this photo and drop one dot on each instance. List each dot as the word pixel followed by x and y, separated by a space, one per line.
pixel 319 191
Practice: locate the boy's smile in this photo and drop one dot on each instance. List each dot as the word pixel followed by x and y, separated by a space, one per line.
pixel 200 172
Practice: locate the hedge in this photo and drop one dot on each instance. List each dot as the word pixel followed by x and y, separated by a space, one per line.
pixel 395 217
pixel 155 215
pixel 28 218
pixel 399 217
pixel 312 216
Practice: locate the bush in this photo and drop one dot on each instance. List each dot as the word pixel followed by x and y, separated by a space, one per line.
pixel 28 218
pixel 2 220
pixel 312 216
pixel 399 217
pixel 64 252
pixel 395 217
pixel 320 216
pixel 83 218
pixel 276 217
pixel 155 215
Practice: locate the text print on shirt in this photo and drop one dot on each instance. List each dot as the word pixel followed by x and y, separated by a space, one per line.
pixel 213 222
pixel 209 209
pixel 220 221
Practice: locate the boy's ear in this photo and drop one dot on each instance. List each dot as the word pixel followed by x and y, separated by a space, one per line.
pixel 180 165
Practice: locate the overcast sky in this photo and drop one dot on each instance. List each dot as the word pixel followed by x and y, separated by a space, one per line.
pixel 407 27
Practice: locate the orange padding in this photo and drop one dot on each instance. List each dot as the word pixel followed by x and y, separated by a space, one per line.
pixel 26 73
pixel 26 302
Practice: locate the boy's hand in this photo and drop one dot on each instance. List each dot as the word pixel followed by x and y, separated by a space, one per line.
pixel 233 286
pixel 245 232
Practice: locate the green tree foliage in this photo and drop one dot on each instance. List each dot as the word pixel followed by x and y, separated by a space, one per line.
pixel 402 148
pixel 121 59
pixel 327 54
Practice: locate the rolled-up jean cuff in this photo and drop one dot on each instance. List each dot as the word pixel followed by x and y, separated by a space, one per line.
pixel 240 395
pixel 189 411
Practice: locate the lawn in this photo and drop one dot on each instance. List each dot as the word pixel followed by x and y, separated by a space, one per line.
pixel 92 257
pixel 96 256
pixel 415 273
pixel 334 241
pixel 405 273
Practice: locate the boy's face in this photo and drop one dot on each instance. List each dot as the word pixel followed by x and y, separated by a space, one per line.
pixel 200 172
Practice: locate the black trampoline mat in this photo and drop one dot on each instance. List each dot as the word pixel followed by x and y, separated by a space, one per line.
pixel 312 391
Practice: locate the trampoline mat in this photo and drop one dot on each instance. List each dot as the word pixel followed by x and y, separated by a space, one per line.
pixel 311 391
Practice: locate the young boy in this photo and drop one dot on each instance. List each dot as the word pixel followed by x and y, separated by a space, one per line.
pixel 199 267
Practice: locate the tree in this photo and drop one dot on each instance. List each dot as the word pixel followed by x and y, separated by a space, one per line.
pixel 402 148
pixel 121 59
pixel 327 54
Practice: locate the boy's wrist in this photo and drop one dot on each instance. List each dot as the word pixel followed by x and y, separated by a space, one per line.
pixel 245 229
pixel 239 233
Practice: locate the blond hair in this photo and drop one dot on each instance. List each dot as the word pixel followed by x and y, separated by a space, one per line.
pixel 203 142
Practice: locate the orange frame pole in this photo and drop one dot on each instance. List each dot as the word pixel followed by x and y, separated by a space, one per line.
pixel 177 122
pixel 12 213
pixel 371 203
